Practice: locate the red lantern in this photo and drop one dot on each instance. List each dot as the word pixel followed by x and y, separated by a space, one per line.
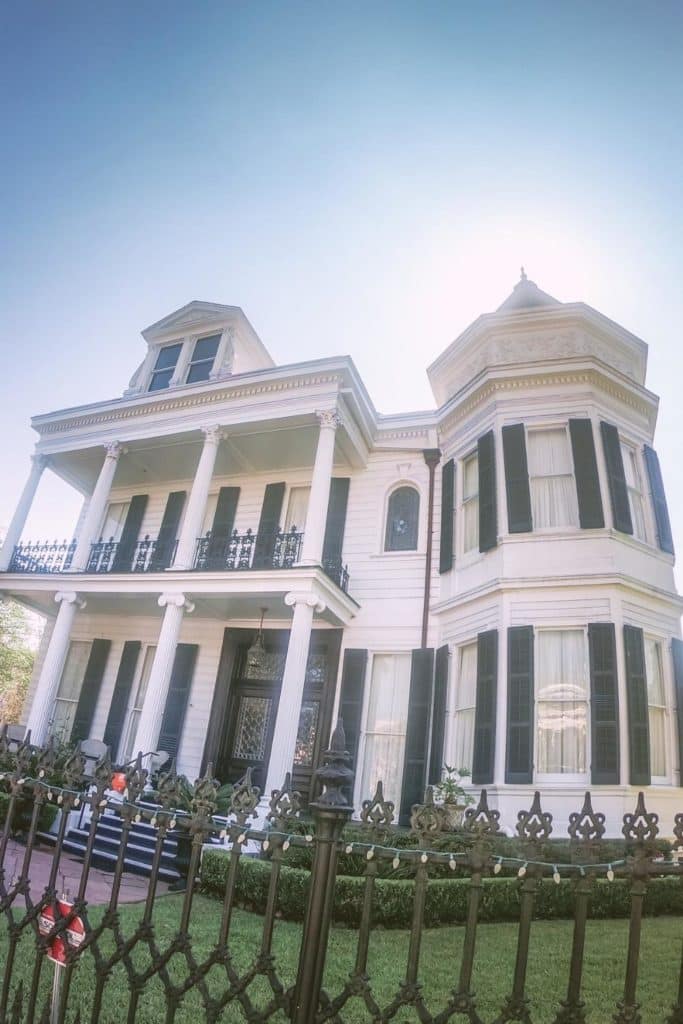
pixel 118 782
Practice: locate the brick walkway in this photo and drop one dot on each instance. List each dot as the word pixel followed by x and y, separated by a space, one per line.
pixel 133 887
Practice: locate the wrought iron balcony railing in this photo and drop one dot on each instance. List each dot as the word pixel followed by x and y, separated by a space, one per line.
pixel 143 556
pixel 248 551
pixel 338 573
pixel 43 556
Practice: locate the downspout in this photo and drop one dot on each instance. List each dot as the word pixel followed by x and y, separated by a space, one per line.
pixel 431 457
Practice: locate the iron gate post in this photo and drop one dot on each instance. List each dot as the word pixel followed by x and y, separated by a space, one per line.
pixel 330 813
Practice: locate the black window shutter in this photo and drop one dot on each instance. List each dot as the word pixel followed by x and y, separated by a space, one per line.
pixel 677 655
pixel 221 527
pixel 638 718
pixel 268 526
pixel 519 758
pixel 121 695
pixel 586 475
pixel 516 479
pixel 488 515
pixel 485 709
pixel 447 506
pixel 125 549
pixel 436 761
pixel 618 492
pixel 602 651
pixel 351 699
pixel 664 537
pixel 168 531
pixel 90 690
pixel 176 702
pixel 417 731
pixel 335 523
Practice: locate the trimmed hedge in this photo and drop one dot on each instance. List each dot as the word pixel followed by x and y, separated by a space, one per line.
pixel 446 898
pixel 47 815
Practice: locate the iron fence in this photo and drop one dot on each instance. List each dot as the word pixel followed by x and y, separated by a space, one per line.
pixel 42 556
pixel 36 919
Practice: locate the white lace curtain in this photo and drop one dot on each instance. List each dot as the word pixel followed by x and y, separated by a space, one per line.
pixel 465 701
pixel 385 734
pixel 562 701
pixel 656 700
pixel 551 477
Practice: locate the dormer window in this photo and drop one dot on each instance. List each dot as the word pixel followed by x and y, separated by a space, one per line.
pixel 203 356
pixel 164 367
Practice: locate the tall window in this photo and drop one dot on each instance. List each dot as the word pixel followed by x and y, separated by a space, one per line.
pixel 138 700
pixel 203 356
pixel 656 699
pixel 297 507
pixel 635 490
pixel 385 731
pixel 403 513
pixel 69 689
pixel 465 701
pixel 562 701
pixel 112 528
pixel 470 502
pixel 551 479
pixel 164 367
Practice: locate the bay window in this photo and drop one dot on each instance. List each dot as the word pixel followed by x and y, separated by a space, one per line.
pixel 470 503
pixel 634 487
pixel 656 701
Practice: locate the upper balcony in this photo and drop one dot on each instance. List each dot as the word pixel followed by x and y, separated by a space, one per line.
pixel 214 553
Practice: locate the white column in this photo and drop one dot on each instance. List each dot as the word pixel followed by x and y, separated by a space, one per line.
pixel 51 673
pixel 159 678
pixel 316 517
pixel 15 528
pixel 88 533
pixel 291 692
pixel 196 506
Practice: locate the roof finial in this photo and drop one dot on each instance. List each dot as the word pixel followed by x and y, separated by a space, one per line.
pixel 522 274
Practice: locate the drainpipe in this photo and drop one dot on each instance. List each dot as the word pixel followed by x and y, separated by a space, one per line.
pixel 431 457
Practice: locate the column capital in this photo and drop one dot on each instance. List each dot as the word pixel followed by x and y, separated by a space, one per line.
pixel 178 600
pixel 213 433
pixel 113 449
pixel 70 597
pixel 328 418
pixel 295 597
pixel 38 461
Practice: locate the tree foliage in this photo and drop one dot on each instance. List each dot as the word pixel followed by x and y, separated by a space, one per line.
pixel 16 659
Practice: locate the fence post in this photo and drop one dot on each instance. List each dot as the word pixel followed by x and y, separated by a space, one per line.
pixel 330 813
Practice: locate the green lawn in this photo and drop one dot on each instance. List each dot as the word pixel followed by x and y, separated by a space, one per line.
pixel 549 957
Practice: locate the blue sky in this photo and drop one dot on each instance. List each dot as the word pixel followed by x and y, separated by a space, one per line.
pixel 362 178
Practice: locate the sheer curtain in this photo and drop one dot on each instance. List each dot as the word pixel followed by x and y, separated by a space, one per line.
pixel 385 733
pixel 139 699
pixel 470 503
pixel 297 508
pixel 551 478
pixel 635 495
pixel 656 699
pixel 69 689
pixel 465 701
pixel 562 701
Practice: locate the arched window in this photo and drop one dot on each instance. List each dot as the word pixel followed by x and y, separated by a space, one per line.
pixel 403 513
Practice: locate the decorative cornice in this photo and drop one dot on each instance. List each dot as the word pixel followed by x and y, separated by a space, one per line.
pixel 176 401
pixel 590 376
pixel 178 600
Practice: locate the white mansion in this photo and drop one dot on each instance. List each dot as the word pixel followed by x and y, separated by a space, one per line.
pixel 487 585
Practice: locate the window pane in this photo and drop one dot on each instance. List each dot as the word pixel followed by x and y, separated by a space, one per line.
pixel 297 508
pixel 251 732
pixel 553 491
pixel 206 348
pixel 74 670
pixel 114 520
pixel 471 515
pixel 402 516
pixel 144 676
pixel 471 477
pixel 653 669
pixel 168 357
pixel 161 379
pixel 386 725
pixel 308 727
pixel 657 720
pixel 63 719
pixel 466 682
pixel 562 701
pixel 548 452
pixel 465 700
pixel 199 372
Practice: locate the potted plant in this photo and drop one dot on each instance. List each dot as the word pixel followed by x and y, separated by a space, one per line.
pixel 449 793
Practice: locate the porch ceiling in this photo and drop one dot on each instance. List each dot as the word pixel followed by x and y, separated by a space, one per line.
pixel 275 447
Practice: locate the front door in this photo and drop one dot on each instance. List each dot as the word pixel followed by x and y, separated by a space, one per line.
pixel 246 702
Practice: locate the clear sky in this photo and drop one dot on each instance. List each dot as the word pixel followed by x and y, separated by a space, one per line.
pixel 362 178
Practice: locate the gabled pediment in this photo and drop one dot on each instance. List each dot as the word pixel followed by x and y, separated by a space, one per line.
pixel 195 313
